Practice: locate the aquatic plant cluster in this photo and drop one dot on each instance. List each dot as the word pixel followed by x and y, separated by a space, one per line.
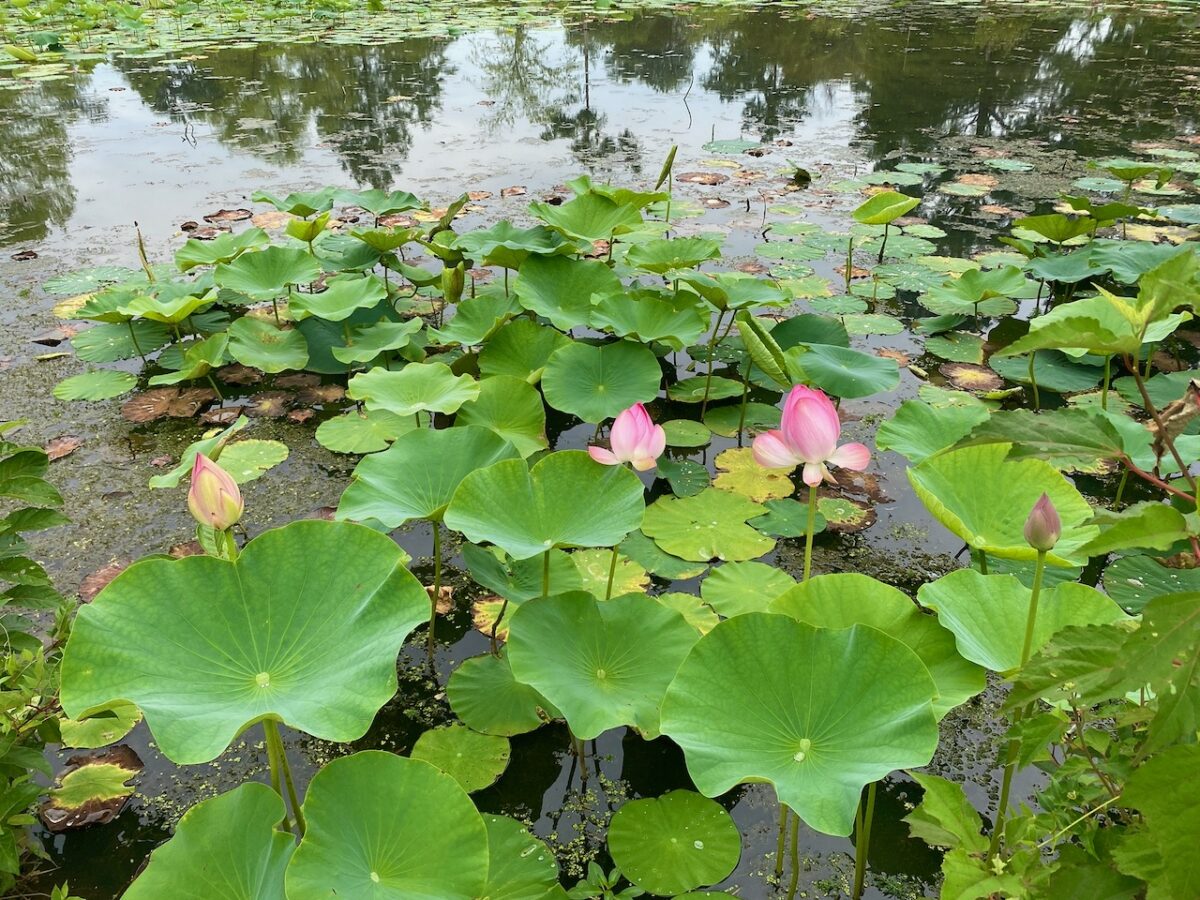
pixel 819 687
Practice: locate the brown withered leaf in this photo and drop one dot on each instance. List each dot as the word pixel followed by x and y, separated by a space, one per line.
pixel 166 402
pixel 61 446
pixel 97 581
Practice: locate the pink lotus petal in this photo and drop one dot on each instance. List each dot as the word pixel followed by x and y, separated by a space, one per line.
pixel 810 424
pixel 851 456
pixel 772 452
pixel 602 456
pixel 814 474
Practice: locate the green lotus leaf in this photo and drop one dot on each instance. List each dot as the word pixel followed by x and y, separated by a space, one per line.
pixel 561 289
pixel 686 476
pixel 476 320
pixel 907 275
pixel 649 316
pixel 221 249
pixel 661 256
pixel 565 500
pixel 764 350
pixel 735 290
pixel 304 628
pixel 629 577
pixel 343 295
pixel 987 614
pixel 691 390
pixel 787 518
pixel 485 695
pixel 108 343
pixel 1056 227
pixel 102 384
pixel 839 601
pixel 843 372
pixel 365 342
pixel 657 561
pixel 249 459
pixel 264 345
pixel 418 387
pixel 1160 851
pixel 91 783
pixel 670 844
pixel 506 245
pixel 383 827
pixel 510 407
pixel 591 217
pixel 686 433
pixel 596 382
pixel 363 432
pixel 86 280
pixel 743 587
pixel 520 580
pixel 473 759
pixel 1133 581
pixel 1054 371
pixel 170 303
pixel 818 713
pixel 1070 439
pixel 381 203
pixel 1096 324
pixel 807 328
pixel 884 207
pixel 199 358
pixel 695 611
pixel 740 473
pixel 984 498
pixel 266 274
pixel 918 430
pixel 101 728
pixel 416 477
pixel 520 867
pixel 726 420
pixel 521 349
pixel 209 446
pixel 710 524
pixel 299 203
pixel 226 848
pixel 603 663
pixel 957 346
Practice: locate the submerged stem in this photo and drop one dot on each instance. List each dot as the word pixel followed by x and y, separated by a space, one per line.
pixel 809 529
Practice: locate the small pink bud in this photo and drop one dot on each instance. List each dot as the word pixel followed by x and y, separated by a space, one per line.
pixel 214 498
pixel 1043 527
pixel 635 439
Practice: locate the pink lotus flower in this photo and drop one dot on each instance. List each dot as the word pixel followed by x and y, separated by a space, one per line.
pixel 1043 527
pixel 214 498
pixel 634 438
pixel 808 434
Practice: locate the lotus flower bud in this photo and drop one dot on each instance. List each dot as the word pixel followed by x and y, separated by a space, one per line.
pixel 214 498
pixel 1043 527
pixel 453 282
pixel 635 439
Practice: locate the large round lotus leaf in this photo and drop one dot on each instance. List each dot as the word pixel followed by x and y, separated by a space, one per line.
pixel 985 499
pixel 220 249
pixel 839 601
pixel 565 500
pixel 485 695
pixel 416 477
pixel 593 566
pixel 520 867
pixel 843 372
pixel 742 587
pixel 603 663
pixel 661 256
pixel 305 627
pixel 648 316
pixel 265 274
pixel 710 524
pixel 520 580
pixel 818 713
pixel 473 759
pixel 561 288
pixel 363 432
pixel 1054 371
pixel 342 296
pixel 264 345
pixel 597 382
pixel 987 613
pixel 506 245
pixel 101 728
pixel 520 349
pixel 367 341
pixel 670 844
pixel 918 430
pixel 589 216
pixel 477 319
pixel 108 343
pixel 103 384
pixel 226 848
pixel 510 407
pixel 415 388
pixel 382 827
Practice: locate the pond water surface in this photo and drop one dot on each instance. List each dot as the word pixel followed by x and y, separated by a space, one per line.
pixel 163 139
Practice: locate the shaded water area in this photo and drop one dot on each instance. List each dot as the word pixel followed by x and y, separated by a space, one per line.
pixel 514 113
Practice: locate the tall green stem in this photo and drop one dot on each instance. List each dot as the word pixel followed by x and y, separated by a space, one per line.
pixel 809 530
pixel 883 245
pixel 783 821
pixel 862 841
pixel 1037 401
pixel 546 572
pixel 281 773
pixel 1031 618
pixel 712 343
pixel 431 638
pixel 745 400
pixel 1107 378
pixel 612 572
pixel 794 857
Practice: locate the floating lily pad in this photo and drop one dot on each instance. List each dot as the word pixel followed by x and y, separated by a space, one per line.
pixel 249 459
pixel 737 471
pixel 657 561
pixel 363 432
pixel 971 377
pixel 473 759
pixel 818 713
pixel 845 516
pixel 593 565
pixel 195 710
pixel 520 867
pixel 92 792
pixel 101 728
pixel 103 384
pixel 484 693
pixel 691 390
pixel 670 844
pixel 390 828
pixel 787 518
pixel 956 346
pixel 603 663
pixel 686 433
pixel 109 343
pixel 744 587
pixel 226 848
pixel 710 524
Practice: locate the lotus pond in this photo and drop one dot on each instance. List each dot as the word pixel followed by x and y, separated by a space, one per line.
pixel 638 450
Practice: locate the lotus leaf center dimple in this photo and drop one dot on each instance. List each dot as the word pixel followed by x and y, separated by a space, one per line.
pixel 263 679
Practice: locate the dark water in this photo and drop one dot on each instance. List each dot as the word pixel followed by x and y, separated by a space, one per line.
pixel 165 140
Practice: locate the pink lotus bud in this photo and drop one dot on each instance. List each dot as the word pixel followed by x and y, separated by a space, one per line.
pixel 1043 527
pixel 635 439
pixel 807 436
pixel 214 498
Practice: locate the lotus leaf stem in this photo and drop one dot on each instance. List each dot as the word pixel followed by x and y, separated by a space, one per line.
pixel 546 572
pixel 808 531
pixel 272 729
pixel 883 245
pixel 745 398
pixel 783 821
pixel 1037 401
pixel 271 737
pixel 794 857
pixel 712 343
pixel 1107 378
pixel 863 820
pixel 612 571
